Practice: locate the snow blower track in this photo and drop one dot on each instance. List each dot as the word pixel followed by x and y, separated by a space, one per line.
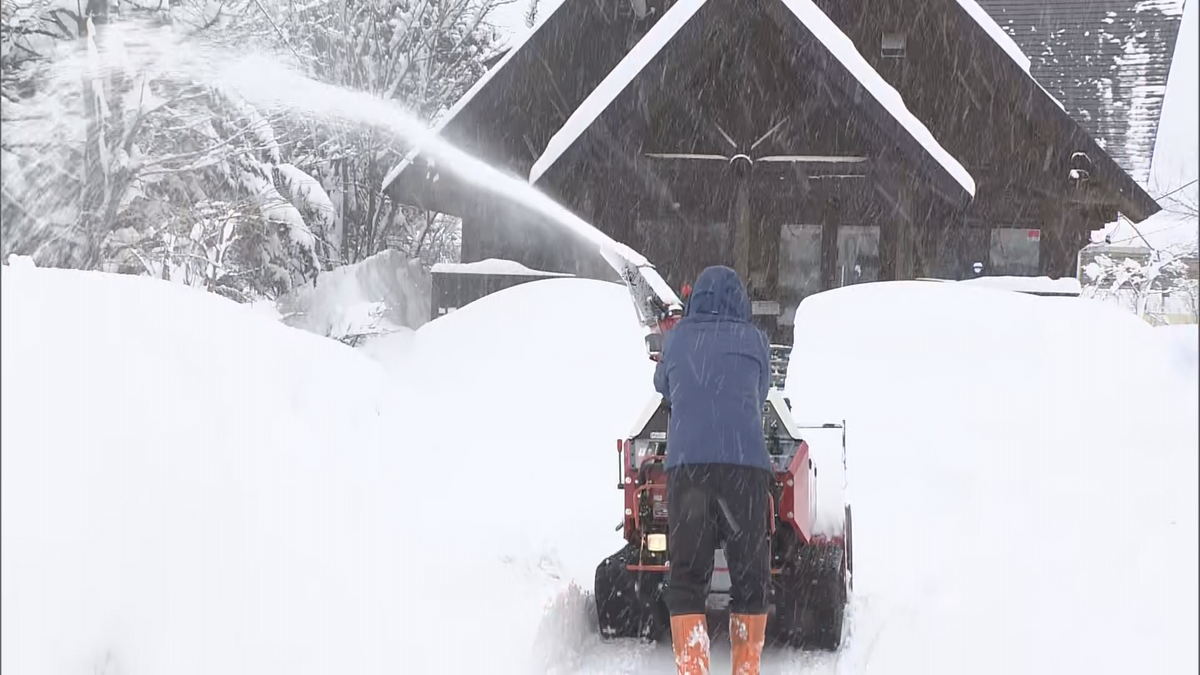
pixel 633 657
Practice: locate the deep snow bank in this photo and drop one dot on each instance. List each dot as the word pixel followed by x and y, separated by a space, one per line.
pixel 1183 342
pixel 540 380
pixel 191 487
pixel 1021 503
pixel 535 384
pixel 188 486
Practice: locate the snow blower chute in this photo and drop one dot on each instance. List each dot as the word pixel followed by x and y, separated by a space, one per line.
pixel 811 570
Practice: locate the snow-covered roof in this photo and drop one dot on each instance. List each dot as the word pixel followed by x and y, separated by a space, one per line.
pixel 1130 42
pixel 808 14
pixel 844 50
pixel 493 266
pixel 1000 37
pixel 1165 229
pixel 466 98
pixel 997 33
pixel 614 83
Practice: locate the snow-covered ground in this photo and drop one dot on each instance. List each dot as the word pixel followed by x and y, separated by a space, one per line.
pixel 188 486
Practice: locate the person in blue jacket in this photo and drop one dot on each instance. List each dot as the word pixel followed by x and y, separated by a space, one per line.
pixel 714 373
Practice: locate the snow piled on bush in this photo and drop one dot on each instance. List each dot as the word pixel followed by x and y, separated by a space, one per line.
pixel 1021 488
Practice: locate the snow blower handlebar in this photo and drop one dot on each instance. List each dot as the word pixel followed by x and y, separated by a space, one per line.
pixel 657 306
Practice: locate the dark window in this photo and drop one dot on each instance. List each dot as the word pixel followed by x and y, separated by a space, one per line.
pixel 892 46
pixel 1015 252
pixel 858 254
pixel 799 267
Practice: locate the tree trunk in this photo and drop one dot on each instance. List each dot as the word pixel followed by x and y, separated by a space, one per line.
pixel 93 178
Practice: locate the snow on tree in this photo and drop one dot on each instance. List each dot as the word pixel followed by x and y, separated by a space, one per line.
pixel 310 198
pixel 425 54
pixel 1153 283
pixel 116 158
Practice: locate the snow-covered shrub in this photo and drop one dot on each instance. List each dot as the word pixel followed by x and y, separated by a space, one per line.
pixel 116 156
pixel 1154 284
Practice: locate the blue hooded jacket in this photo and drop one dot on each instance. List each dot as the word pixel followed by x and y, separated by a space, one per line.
pixel 715 372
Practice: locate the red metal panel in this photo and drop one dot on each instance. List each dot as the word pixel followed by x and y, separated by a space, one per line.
pixel 630 488
pixel 794 506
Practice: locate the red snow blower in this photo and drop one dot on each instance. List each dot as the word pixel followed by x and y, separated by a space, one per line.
pixel 811 570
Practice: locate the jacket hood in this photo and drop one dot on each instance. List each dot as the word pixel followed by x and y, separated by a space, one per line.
pixel 719 293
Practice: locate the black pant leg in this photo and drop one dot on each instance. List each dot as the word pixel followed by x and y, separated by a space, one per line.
pixel 746 491
pixel 692 538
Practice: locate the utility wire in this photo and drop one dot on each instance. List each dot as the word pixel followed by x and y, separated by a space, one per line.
pixel 1165 229
pixel 1181 187
pixel 1139 232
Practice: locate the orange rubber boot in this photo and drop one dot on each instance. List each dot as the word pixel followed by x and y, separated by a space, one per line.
pixel 689 637
pixel 747 632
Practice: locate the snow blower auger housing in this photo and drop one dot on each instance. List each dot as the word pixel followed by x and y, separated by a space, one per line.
pixel 810 571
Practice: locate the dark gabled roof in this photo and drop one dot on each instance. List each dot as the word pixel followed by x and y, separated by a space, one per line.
pixel 1011 90
pixel 1119 185
pixel 509 118
pixel 1106 60
pixel 699 27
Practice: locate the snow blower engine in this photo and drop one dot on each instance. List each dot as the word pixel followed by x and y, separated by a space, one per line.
pixel 811 560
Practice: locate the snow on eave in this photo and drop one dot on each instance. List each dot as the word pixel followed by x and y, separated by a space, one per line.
pixel 1052 97
pixel 466 98
pixel 614 83
pixel 817 23
pixel 987 23
pixel 847 54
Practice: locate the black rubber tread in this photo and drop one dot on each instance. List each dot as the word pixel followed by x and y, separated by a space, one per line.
pixel 850 547
pixel 810 600
pixel 628 604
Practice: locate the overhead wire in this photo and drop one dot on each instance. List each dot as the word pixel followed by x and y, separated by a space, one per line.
pixel 1138 232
